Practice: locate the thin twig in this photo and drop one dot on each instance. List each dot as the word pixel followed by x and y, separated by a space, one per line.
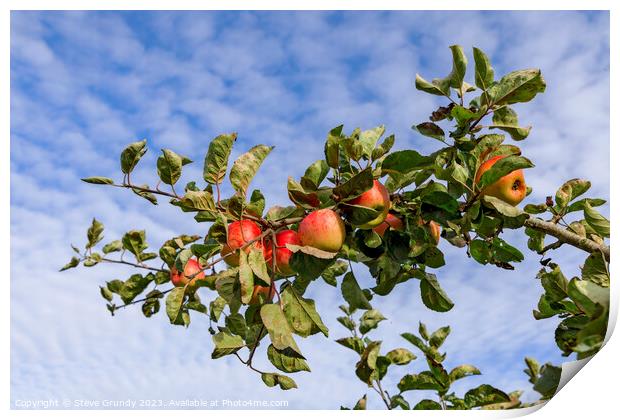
pixel 146 267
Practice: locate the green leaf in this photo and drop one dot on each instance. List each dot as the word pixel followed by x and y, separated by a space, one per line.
pixel 439 336
pixel 216 306
pixel 416 341
pixel 383 148
pixel 307 266
pixel 535 208
pixel 100 180
pixel 533 368
pixel 352 146
pixel 423 331
pixel 113 246
pixel 301 197
pixel 106 293
pixel 174 301
pixel 315 174
pixel 225 344
pixel 579 204
pixel 438 87
pixel 94 233
pixel 151 305
pixel 286 360
pixel 548 381
pixel 198 201
pixel 145 194
pixel 246 278
pixel 554 283
pixel 276 213
pixel 422 381
pixel 75 261
pixel 132 155
pixel 279 330
pixel 399 401
pixel 502 168
pixel 400 356
pixel 480 251
pixel 596 220
pixel 595 270
pixel 484 72
pixel 517 86
pixel 459 66
pixel 169 166
pixel 135 285
pixel 347 322
pixel 245 167
pixel 570 190
pixel 368 139
pixel 273 379
pixel 436 196
pixel 430 129
pixel 588 295
pixel 256 260
pixel 366 368
pixel 485 395
pixel 370 319
pixel 404 161
pixel 236 324
pixel 353 294
pixel 505 119
pixel 463 371
pixel 257 203
pixel 501 206
pixel 433 295
pixel 301 314
pixel 134 241
pixel 504 252
pixel 353 343
pixel 309 250
pixel 357 185
pixel 427 405
pixel 332 147
pixel 216 160
pixel 335 270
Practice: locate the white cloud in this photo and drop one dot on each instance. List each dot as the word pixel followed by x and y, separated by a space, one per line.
pixel 86 84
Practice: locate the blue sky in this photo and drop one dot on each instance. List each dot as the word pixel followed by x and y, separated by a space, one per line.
pixel 83 85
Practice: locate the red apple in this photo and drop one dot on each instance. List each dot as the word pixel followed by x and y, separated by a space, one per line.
pixel 264 292
pixel 241 232
pixel 283 254
pixel 376 198
pixel 192 268
pixel 392 222
pixel 510 188
pixel 322 229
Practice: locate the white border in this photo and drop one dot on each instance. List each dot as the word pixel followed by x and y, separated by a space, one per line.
pixel 592 394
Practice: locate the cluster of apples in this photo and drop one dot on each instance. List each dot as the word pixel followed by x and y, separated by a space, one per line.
pixel 324 229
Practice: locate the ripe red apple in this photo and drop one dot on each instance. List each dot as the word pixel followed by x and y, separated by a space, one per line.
pixel 264 292
pixel 283 254
pixel 192 268
pixel 241 232
pixel 391 221
pixel 322 229
pixel 376 198
pixel 510 188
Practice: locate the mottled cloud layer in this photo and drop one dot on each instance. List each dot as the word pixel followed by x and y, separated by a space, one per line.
pixel 84 84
